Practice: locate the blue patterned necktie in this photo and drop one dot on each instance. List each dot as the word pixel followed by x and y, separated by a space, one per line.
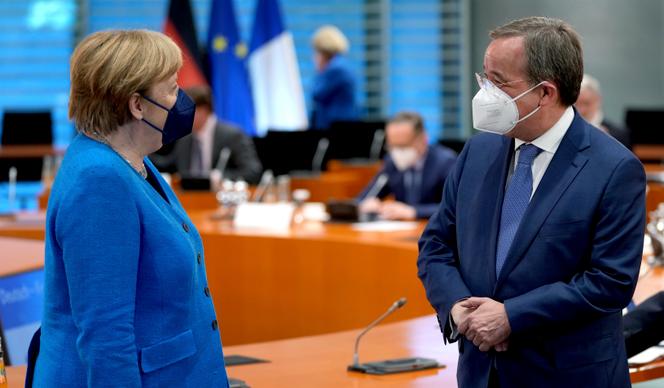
pixel 515 203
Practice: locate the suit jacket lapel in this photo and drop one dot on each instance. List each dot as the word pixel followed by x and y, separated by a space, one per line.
pixel 428 170
pixel 564 167
pixel 493 191
pixel 183 152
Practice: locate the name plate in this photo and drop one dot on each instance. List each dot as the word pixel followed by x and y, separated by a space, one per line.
pixel 264 215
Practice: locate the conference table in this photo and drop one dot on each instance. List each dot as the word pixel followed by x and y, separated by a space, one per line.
pixel 312 278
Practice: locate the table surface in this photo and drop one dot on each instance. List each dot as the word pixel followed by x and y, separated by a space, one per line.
pixel 321 361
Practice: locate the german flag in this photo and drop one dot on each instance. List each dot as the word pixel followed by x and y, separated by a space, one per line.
pixel 180 27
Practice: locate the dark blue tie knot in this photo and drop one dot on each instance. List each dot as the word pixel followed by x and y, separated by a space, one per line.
pixel 528 153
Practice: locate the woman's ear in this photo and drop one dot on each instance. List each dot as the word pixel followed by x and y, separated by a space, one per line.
pixel 135 106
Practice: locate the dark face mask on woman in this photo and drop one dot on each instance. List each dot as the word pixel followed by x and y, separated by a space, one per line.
pixel 180 119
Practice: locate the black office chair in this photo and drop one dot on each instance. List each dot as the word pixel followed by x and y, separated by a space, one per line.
pixel 25 128
pixel 357 140
pixel 645 126
pixel 287 151
pixel 455 145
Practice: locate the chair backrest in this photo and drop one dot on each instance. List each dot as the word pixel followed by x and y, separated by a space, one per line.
pixel 645 126
pixel 353 139
pixel 25 128
pixel 286 151
pixel 455 145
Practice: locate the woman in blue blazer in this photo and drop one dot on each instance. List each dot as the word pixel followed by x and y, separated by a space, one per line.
pixel 126 296
pixel 333 90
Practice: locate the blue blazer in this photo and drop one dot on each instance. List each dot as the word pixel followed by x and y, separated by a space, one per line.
pixel 572 267
pixel 126 297
pixel 438 164
pixel 333 94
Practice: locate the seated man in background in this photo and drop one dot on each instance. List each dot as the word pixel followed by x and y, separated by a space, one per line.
pixel 643 327
pixel 415 172
pixel 199 153
pixel 589 105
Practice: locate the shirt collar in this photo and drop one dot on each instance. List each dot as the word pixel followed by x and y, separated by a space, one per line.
pixel 550 140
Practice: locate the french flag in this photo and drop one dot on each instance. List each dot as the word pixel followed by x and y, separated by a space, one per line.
pixel 275 76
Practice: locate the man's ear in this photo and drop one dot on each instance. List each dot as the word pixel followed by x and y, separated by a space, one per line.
pixel 550 94
pixel 135 106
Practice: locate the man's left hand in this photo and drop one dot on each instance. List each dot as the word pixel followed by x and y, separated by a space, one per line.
pixel 397 211
pixel 488 325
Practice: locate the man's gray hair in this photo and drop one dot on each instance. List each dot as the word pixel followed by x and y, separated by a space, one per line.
pixel 591 83
pixel 553 53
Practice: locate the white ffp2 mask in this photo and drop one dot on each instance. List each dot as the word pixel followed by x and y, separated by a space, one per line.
pixel 404 158
pixel 494 110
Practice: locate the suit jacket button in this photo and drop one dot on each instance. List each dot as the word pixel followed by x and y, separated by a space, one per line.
pixel 215 325
pixel 198 258
pixel 185 227
pixel 207 292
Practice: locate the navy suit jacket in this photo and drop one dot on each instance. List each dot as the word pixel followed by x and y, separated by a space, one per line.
pixel 572 267
pixel 333 94
pixel 437 166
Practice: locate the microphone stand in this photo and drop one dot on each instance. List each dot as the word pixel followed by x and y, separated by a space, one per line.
pixel 388 366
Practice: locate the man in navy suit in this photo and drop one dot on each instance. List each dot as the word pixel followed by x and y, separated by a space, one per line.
pixel 536 246
pixel 414 172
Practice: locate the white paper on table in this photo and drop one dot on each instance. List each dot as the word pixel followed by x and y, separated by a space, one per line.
pixel 647 356
pixel 384 226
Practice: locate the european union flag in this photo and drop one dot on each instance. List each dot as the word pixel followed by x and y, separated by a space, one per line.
pixel 229 79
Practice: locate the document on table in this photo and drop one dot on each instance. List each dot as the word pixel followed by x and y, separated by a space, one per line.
pixel 384 226
pixel 647 356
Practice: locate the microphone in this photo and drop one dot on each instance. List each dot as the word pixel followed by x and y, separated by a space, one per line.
pixel 377 144
pixel 266 180
pixel 319 156
pixel 222 162
pixel 396 305
pixel 11 189
pixel 377 186
pixel 388 366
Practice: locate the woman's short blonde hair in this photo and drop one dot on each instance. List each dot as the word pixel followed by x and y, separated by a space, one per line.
pixel 330 41
pixel 107 67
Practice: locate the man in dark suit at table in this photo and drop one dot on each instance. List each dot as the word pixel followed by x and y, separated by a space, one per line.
pixel 415 172
pixel 199 153
pixel 536 247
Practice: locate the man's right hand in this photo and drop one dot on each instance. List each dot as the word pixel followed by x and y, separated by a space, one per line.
pixel 370 205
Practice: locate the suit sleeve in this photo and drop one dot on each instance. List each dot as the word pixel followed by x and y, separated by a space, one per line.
pixel 243 152
pixel 328 82
pixel 99 234
pixel 642 326
pixel 425 210
pixel 438 260
pixel 607 283
pixel 384 191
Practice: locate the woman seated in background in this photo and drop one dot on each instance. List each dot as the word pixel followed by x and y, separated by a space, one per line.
pixel 126 297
